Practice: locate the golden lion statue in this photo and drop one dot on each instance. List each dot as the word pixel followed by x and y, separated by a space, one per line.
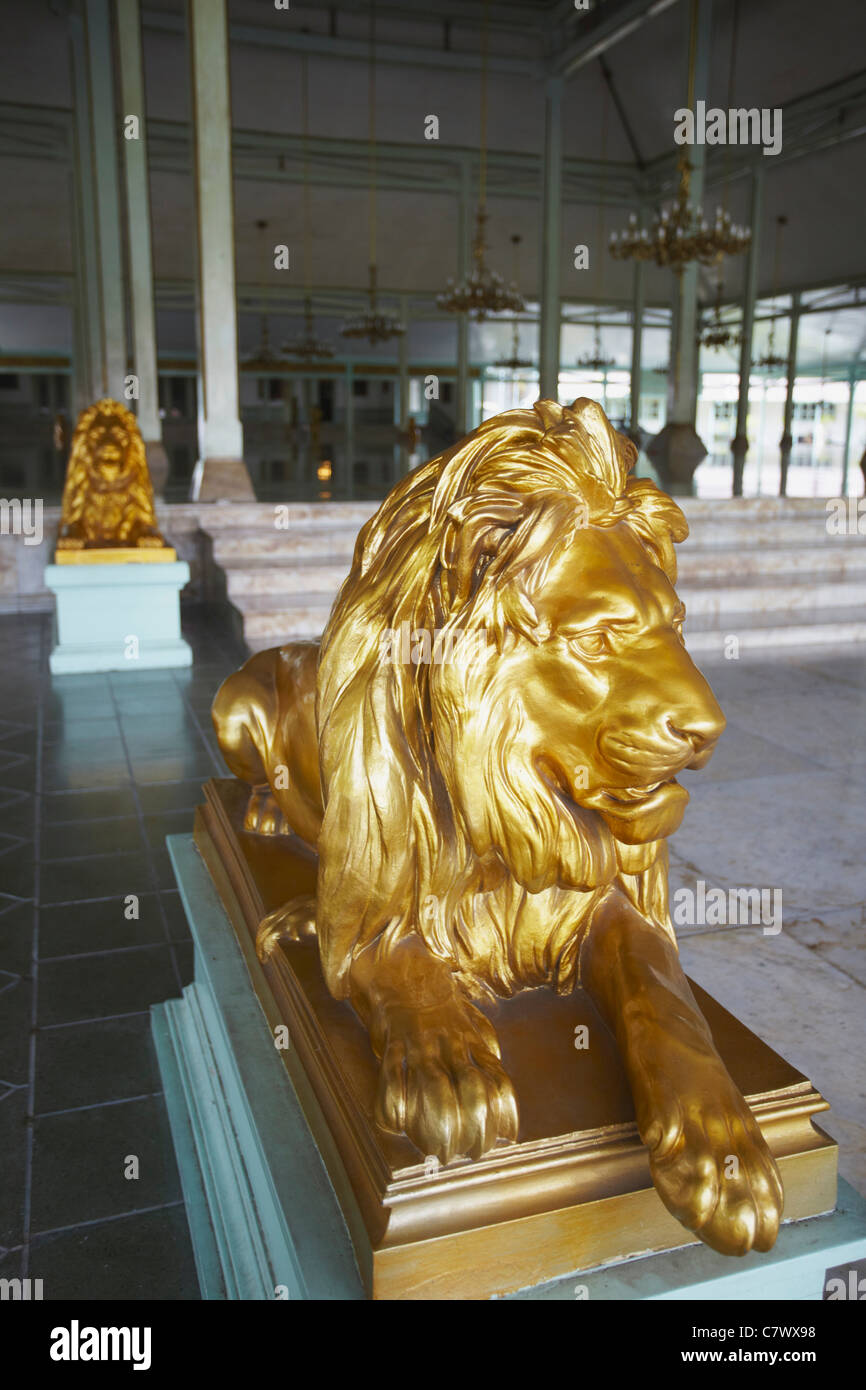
pixel 496 823
pixel 107 498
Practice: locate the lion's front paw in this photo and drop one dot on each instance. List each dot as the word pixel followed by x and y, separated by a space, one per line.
pixel 292 922
pixel 263 816
pixel 711 1165
pixel 442 1082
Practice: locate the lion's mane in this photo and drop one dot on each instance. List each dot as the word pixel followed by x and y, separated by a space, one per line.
pixel 452 549
pixel 107 515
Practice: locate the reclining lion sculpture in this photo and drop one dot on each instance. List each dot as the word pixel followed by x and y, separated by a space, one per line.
pixel 497 823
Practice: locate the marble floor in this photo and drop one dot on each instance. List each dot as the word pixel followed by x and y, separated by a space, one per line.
pixel 782 807
pixel 95 771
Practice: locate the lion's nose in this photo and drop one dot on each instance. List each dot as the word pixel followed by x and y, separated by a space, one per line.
pixel 700 726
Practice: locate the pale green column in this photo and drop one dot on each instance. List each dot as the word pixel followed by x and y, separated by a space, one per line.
pixel 350 429
pixel 401 398
pixel 464 222
pixel 740 443
pixel 103 119
pixel 636 346
pixel 549 331
pixel 220 474
pixel 134 141
pixel 88 372
pixel 786 443
pixel 849 421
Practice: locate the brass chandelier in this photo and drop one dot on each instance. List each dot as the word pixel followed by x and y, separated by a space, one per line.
pixel 595 361
pixel 372 324
pixel 515 362
pixel 305 345
pixel 263 359
pixel 718 334
pixel 680 234
pixel 772 362
pixel 484 291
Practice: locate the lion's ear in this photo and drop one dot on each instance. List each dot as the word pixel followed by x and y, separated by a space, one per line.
pixel 474 530
pixel 525 616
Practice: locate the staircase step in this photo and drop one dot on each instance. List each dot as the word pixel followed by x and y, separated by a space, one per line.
pixel 249 544
pixel 772 594
pixel 302 577
pixel 718 562
pixel 756 631
pixel 263 515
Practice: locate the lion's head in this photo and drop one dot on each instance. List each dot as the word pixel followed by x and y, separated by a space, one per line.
pixel 552 753
pixel 107 498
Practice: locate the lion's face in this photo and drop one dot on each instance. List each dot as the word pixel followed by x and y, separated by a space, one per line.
pixel 110 458
pixel 570 739
pixel 615 704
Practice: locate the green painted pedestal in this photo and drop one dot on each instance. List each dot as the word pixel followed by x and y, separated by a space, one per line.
pixel 118 617
pixel 263 1216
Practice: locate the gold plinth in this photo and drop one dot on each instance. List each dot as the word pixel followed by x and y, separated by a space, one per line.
pixel 573 1193
pixel 116 555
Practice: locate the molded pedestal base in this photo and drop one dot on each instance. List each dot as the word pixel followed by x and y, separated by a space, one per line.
pixel 114 617
pixel 261 1194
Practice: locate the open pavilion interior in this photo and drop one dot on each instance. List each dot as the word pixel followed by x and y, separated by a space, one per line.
pixel 178 262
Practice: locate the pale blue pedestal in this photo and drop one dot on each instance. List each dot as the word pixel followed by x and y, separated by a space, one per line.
pixel 263 1215
pixel 102 608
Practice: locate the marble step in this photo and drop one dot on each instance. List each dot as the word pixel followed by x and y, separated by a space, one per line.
pixel 695 563
pixel 269 619
pixel 758 631
pixel 749 532
pixel 274 573
pixel 301 515
pixel 773 594
pixel 259 589
pixel 242 544
pixel 264 576
pixel 249 543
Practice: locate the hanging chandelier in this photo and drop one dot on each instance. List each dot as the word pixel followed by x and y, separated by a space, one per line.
pixel 772 362
pixel 484 291
pixel 263 358
pixel 717 334
pixel 680 234
pixel 305 345
pixel 515 362
pixel 595 361
pixel 372 324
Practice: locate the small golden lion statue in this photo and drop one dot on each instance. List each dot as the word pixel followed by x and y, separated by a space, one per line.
pixel 107 498
pixel 491 814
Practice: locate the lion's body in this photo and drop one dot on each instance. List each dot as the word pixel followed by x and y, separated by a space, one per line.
pixel 107 496
pixel 490 815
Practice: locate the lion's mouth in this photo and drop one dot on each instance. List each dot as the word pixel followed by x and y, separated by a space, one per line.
pixel 632 794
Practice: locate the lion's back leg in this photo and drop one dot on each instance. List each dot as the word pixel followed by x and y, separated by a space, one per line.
pixel 264 717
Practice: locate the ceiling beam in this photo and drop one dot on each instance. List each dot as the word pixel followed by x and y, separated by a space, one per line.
pixel 325 45
pixel 603 27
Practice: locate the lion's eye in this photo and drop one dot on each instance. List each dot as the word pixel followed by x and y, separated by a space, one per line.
pixel 591 643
